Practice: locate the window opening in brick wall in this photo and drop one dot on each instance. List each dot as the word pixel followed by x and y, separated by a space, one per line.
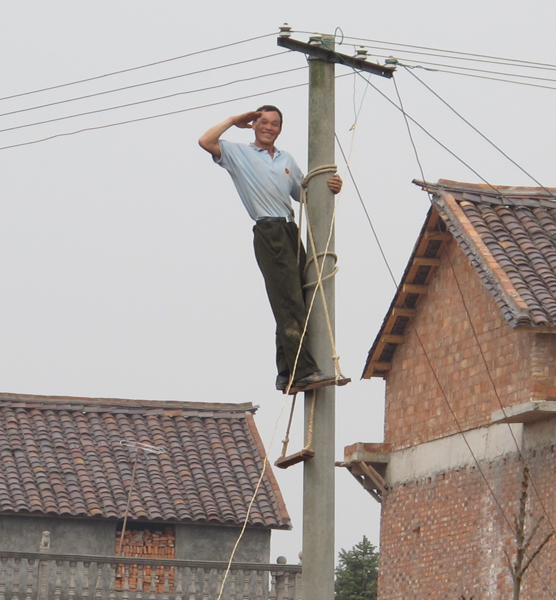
pixel 146 541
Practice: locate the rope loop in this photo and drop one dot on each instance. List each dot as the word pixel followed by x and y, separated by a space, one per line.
pixel 312 260
pixel 317 171
pixel 318 287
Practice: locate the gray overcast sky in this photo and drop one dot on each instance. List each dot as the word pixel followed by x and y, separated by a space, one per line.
pixel 126 259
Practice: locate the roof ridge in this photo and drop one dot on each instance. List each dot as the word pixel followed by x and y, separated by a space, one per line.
pixel 503 192
pixel 120 404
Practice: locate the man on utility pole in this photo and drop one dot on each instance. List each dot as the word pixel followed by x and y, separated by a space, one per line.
pixel 265 179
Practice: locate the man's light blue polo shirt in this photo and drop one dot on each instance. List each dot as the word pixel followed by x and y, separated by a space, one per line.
pixel 264 184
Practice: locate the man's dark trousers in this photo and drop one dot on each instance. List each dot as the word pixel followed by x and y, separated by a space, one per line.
pixel 275 244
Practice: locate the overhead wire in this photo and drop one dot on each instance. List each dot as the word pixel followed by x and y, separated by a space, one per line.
pixel 137 85
pixel 501 62
pixel 525 83
pixel 452 52
pixel 199 107
pixel 159 115
pixel 447 104
pixel 149 117
pixel 128 104
pixel 498 60
pixel 433 370
pixel 151 64
pixel 490 72
pixel 460 56
pixel 428 134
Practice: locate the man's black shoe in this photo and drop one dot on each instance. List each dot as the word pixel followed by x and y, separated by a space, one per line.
pixel 282 380
pixel 313 379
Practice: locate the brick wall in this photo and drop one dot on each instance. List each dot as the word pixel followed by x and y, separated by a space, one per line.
pixel 521 363
pixel 443 536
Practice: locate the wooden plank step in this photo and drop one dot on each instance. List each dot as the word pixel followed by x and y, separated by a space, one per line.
pixel 314 386
pixel 288 461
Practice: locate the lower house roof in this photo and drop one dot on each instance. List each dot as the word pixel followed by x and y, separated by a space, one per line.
pixel 509 236
pixel 62 456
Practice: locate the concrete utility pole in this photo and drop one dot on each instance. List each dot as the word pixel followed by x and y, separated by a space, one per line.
pixel 318 475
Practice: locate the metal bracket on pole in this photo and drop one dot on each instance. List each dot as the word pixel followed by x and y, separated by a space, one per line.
pixel 335 57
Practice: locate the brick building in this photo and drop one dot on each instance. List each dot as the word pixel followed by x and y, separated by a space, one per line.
pixel 467 349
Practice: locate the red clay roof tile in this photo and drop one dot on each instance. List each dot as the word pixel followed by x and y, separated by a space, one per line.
pixel 63 456
pixel 518 228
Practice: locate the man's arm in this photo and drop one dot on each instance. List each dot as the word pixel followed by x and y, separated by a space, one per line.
pixel 210 141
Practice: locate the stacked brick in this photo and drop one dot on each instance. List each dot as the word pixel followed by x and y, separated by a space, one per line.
pixel 143 543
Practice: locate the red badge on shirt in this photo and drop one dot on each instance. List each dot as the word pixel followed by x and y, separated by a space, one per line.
pixel 288 171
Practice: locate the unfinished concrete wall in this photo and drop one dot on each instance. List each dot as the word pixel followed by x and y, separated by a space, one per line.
pixel 198 542
pixel 67 536
pixel 416 411
pixel 98 538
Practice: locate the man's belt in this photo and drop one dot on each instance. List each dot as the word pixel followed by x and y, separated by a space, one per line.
pixel 289 219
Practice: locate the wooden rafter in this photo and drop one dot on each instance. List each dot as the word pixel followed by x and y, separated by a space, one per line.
pixel 414 285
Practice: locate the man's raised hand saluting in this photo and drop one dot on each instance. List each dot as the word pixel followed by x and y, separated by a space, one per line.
pixel 245 121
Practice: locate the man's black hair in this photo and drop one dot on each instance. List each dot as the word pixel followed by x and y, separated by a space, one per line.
pixel 270 108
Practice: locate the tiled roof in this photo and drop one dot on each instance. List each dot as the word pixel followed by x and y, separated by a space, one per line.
pixel 509 236
pixel 62 456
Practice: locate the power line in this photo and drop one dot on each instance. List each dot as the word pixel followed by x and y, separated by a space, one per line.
pixel 166 114
pixel 174 112
pixel 514 62
pixel 537 85
pixel 136 85
pixel 407 116
pixel 501 62
pixel 490 72
pixel 479 132
pixel 433 371
pixel 100 110
pixel 375 234
pixel 471 54
pixel 152 64
pixel 428 133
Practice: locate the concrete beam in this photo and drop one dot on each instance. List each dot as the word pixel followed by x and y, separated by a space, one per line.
pixel 452 452
pixel 529 412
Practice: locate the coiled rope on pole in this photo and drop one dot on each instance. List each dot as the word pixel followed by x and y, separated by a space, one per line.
pixel 315 255
pixel 314 258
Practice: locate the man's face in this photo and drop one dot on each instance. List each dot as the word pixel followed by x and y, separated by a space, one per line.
pixel 267 128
